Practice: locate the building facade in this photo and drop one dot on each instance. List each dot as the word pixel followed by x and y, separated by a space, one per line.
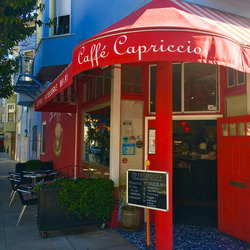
pixel 173 91
pixel 48 53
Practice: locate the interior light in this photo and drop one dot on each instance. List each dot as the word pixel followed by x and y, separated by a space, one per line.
pixel 183 123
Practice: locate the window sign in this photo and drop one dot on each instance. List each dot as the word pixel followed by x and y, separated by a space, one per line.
pixel 128 149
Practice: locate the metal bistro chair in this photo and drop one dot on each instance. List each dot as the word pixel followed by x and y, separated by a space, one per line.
pixel 25 202
pixel 17 182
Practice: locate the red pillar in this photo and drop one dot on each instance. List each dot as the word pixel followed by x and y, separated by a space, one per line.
pixel 78 131
pixel 163 151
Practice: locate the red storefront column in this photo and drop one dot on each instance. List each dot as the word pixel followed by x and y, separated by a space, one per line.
pixel 78 147
pixel 163 153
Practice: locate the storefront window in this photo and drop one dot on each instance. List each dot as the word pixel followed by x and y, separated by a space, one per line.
pixel 235 78
pixel 230 77
pixel 97 142
pixel 194 87
pixel 240 78
pixel 200 87
pixel 177 88
pixel 98 85
pixel 131 79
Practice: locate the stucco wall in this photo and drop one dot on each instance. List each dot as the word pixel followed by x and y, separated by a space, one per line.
pixel 60 138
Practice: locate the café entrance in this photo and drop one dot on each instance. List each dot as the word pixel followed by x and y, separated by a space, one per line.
pixel 194 170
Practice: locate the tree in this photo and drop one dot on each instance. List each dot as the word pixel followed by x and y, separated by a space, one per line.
pixel 15 19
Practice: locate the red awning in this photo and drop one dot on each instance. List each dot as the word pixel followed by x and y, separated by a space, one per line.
pixel 58 97
pixel 162 30
pixel 169 30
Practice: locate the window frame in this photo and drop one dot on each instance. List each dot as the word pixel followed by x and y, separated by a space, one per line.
pixel 34 145
pixel 101 81
pixel 8 113
pixel 182 92
pixel 56 29
pixel 43 138
pixel 235 78
pixel 132 84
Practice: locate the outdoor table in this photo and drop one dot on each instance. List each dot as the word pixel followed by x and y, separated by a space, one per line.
pixel 33 175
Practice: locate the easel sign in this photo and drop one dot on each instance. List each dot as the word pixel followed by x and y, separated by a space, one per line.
pixel 148 189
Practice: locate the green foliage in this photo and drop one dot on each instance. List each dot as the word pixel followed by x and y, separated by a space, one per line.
pixel 122 192
pixel 34 165
pixel 56 183
pixel 88 197
pixel 7 68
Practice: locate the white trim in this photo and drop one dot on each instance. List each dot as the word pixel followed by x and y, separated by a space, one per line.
pixel 248 91
pixel 42 138
pixel 175 118
pixel 143 30
pixel 197 117
pixel 115 121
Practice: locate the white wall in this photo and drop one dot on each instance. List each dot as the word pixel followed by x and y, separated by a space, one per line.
pixel 131 132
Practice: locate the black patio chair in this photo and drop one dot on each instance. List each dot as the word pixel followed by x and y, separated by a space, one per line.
pixel 17 182
pixel 25 202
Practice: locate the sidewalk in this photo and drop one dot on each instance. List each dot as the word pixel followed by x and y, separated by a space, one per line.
pixel 26 235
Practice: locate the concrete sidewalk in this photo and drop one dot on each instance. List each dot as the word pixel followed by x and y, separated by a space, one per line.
pixel 26 236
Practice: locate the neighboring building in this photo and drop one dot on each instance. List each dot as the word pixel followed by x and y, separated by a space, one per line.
pixel 2 121
pixel 26 87
pixel 10 126
pixel 168 83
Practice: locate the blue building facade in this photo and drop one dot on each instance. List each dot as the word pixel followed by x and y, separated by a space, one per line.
pixel 74 21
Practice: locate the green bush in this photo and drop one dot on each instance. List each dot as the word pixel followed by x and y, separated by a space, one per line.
pixel 34 165
pixel 88 197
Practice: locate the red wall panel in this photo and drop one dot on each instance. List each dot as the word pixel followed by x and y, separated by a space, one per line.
pixel 60 138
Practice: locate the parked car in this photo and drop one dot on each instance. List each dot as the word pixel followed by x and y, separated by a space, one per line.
pixel 95 149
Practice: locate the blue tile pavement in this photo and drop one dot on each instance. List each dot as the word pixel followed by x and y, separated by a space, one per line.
pixel 188 238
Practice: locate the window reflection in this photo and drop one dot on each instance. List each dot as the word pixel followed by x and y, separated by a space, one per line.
pixel 97 136
pixel 232 127
pixel 200 87
pixel 241 129
pixel 195 91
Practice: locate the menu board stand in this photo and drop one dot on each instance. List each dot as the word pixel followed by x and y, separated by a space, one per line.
pixel 148 189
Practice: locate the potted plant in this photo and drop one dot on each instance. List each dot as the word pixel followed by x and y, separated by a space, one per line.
pixel 130 215
pixel 74 202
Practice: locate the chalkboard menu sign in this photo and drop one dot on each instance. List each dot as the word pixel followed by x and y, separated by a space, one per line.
pixel 147 189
